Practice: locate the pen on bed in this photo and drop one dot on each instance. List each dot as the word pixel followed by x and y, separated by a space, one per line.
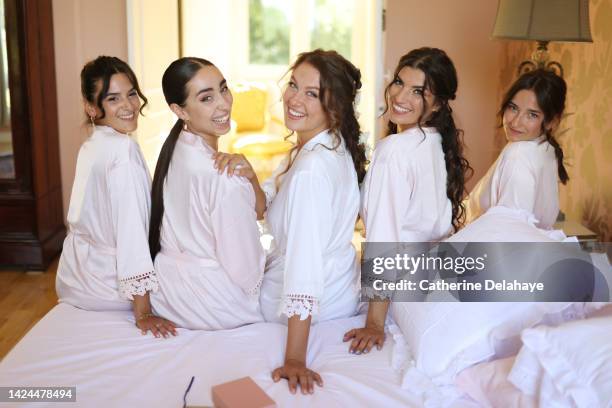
pixel 187 391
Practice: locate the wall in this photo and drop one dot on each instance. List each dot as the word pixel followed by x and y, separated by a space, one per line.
pixel 464 33
pixel 587 142
pixel 83 29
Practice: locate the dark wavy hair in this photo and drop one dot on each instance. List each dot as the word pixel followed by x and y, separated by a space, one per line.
pixel 102 69
pixel 550 91
pixel 441 81
pixel 339 83
pixel 174 85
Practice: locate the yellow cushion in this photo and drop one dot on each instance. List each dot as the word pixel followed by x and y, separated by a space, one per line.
pixel 261 145
pixel 249 110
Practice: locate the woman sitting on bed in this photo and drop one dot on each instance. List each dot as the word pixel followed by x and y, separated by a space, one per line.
pixel 312 206
pixel 204 236
pixel 105 261
pixel 414 187
pixel 524 176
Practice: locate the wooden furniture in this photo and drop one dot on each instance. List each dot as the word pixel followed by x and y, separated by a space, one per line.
pixel 31 214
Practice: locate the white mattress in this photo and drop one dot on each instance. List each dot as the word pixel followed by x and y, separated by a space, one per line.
pixel 113 365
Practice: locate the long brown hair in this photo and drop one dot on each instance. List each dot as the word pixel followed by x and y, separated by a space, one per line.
pixel 550 90
pixel 174 85
pixel 441 81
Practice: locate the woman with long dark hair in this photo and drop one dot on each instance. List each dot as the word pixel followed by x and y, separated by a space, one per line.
pixel 312 206
pixel 526 173
pixel 105 262
pixel 204 237
pixel 414 187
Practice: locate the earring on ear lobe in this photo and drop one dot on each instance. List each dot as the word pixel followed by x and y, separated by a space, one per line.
pixel 91 119
pixel 185 125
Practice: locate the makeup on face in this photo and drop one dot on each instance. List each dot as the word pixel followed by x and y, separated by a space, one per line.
pixel 405 98
pixel 208 106
pixel 523 119
pixel 304 112
pixel 121 105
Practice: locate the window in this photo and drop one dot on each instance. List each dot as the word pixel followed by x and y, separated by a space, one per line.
pixel 269 32
pixel 279 29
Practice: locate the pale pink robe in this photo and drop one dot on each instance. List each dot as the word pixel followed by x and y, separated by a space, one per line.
pixel 106 259
pixel 403 196
pixel 524 176
pixel 211 262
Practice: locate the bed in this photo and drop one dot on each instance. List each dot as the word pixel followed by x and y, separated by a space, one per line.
pixel 113 365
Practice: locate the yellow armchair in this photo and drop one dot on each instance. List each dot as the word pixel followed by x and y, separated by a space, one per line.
pixel 251 133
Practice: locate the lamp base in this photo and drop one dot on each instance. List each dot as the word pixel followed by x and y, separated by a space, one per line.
pixel 540 59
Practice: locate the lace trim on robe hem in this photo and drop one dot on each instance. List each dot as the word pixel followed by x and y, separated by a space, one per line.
pixel 299 305
pixel 138 285
pixel 255 290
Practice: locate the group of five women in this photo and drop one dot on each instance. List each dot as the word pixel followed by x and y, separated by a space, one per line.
pixel 186 251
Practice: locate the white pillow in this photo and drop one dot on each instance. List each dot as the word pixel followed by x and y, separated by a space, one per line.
pixel 576 357
pixel 445 338
pixel 488 385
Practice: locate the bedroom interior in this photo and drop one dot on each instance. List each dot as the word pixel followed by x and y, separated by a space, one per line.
pixel 38 159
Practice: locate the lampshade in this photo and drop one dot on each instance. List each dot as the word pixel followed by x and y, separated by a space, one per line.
pixel 543 20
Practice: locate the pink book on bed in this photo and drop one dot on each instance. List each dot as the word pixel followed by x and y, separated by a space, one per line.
pixel 242 393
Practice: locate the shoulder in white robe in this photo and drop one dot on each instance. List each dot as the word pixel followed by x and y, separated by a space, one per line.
pixel 524 176
pixel 403 196
pixel 105 258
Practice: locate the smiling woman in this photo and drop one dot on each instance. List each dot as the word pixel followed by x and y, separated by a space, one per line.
pixel 526 173
pixel 200 218
pixel 105 262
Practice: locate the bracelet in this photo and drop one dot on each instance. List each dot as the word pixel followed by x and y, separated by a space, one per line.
pixel 144 316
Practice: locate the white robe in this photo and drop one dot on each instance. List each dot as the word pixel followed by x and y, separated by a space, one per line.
pixel 106 259
pixel 211 261
pixel 404 192
pixel 313 269
pixel 524 176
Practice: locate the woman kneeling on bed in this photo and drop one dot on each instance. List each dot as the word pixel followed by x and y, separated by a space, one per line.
pixel 204 236
pixel 312 204
pixel 105 261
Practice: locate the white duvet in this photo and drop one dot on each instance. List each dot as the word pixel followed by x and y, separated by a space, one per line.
pixel 113 365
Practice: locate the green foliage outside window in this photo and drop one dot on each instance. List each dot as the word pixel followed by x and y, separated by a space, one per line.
pixel 268 34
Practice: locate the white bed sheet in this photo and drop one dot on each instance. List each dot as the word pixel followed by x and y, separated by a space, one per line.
pixel 113 365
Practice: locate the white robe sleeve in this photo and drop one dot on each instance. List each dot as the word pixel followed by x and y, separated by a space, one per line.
pixel 130 206
pixel 389 191
pixel 237 245
pixel 517 181
pixel 309 229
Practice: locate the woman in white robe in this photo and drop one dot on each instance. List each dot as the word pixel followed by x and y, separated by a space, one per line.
pixel 105 262
pixel 415 183
pixel 312 204
pixel 524 176
pixel 204 234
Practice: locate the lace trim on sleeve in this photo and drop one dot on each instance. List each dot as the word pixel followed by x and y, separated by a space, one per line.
pixel 254 291
pixel 269 195
pixel 299 305
pixel 138 285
